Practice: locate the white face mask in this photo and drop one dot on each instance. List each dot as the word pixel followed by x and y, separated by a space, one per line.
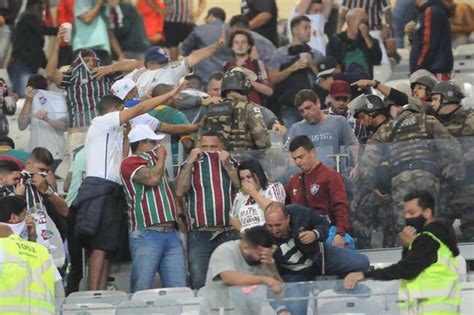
pixel 18 228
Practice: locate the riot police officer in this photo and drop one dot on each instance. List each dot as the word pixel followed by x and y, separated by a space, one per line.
pixel 239 120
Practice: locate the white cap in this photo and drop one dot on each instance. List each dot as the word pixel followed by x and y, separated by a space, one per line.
pixel 122 87
pixel 142 132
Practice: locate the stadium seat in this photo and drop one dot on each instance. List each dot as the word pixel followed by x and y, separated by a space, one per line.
pixel 190 305
pixel 111 297
pixel 156 307
pixel 464 52
pixel 201 291
pixel 330 302
pixel 153 294
pixel 88 308
pixel 467 300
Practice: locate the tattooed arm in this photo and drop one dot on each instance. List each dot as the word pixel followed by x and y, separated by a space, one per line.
pixel 152 176
pixel 230 169
pixel 183 180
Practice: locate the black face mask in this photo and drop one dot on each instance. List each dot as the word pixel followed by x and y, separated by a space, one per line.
pixel 417 222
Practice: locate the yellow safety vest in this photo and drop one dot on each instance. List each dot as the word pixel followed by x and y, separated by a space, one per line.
pixel 26 278
pixel 437 289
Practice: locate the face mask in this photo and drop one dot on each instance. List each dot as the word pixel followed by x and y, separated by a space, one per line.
pixel 18 228
pixel 417 222
pixel 132 102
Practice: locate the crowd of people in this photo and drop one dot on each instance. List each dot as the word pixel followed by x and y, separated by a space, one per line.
pixel 366 165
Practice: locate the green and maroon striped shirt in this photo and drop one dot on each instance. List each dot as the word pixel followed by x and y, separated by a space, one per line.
pixel 83 93
pixel 147 205
pixel 210 196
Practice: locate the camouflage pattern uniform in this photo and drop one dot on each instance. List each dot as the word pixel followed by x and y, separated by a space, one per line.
pixel 421 150
pixel 240 122
pixel 458 194
pixel 461 126
pixel 372 207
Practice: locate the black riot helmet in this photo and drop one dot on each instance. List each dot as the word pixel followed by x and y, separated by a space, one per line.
pixel 235 80
pixel 450 93
pixel 370 104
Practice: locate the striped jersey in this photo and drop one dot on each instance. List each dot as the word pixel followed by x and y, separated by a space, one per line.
pixel 147 205
pixel 209 200
pixel 373 8
pixel 248 212
pixel 83 93
pixel 180 11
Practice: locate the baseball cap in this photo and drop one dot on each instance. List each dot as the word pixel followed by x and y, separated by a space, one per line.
pixel 326 67
pixel 122 87
pixel 156 53
pixel 340 88
pixel 142 132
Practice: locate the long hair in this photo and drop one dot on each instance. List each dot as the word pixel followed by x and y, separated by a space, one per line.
pixel 255 168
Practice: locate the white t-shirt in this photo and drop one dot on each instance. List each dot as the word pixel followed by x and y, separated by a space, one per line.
pixel 318 39
pixel 104 147
pixel 42 134
pixel 146 119
pixel 148 79
pixel 248 212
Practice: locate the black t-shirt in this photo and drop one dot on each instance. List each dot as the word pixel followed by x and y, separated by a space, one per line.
pixel 251 8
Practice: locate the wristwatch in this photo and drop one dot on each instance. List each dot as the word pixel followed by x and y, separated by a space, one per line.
pixel 376 83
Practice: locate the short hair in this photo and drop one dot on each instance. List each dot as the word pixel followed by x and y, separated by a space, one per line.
pixel 258 236
pixel 297 20
pixel 245 33
pixel 88 53
pixel 217 13
pixel 279 205
pixel 305 95
pixel 42 155
pixel 161 89
pixel 37 81
pixel 239 21
pixel 7 141
pixel 194 81
pixel 353 12
pixel 256 168
pixel 11 205
pixel 301 141
pixel 8 167
pixel 31 3
pixel 424 199
pixel 134 146
pixel 218 76
pixel 213 133
pixel 108 102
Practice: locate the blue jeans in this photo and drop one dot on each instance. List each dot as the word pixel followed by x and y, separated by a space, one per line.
pixel 19 73
pixel 200 248
pixel 338 262
pixel 290 116
pixel 404 12
pixel 154 251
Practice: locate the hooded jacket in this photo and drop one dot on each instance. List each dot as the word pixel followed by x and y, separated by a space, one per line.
pixel 431 47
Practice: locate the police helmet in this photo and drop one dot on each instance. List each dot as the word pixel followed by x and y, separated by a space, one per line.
pixel 450 92
pixel 425 80
pixel 370 104
pixel 235 80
